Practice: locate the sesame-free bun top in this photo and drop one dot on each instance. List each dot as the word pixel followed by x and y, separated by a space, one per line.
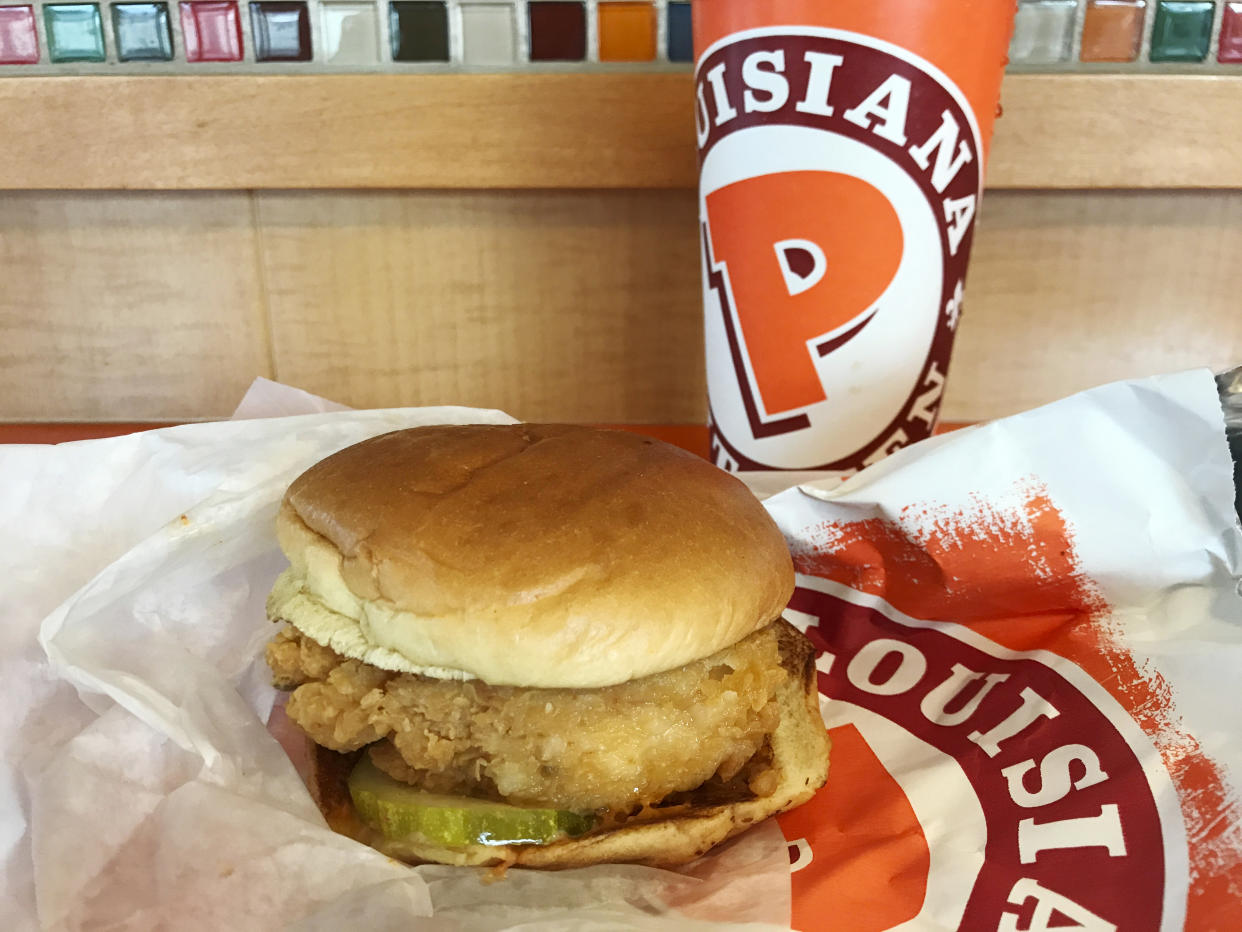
pixel 528 555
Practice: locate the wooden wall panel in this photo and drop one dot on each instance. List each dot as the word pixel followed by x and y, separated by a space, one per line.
pixel 127 306
pixel 1069 290
pixel 618 129
pixel 552 304
pixel 586 306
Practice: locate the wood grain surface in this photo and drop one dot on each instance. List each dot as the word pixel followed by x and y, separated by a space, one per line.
pixel 1072 289
pixel 552 304
pixel 550 130
pixel 349 131
pixel 580 306
pixel 128 307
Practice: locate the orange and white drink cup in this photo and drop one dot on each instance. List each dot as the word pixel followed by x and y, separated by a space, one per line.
pixel 841 153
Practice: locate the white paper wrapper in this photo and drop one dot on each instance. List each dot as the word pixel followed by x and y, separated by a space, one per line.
pixel 139 786
pixel 1031 636
pixel 1086 554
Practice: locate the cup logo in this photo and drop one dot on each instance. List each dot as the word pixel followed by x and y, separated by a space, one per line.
pixel 802 264
pixel 839 178
pixel 802 277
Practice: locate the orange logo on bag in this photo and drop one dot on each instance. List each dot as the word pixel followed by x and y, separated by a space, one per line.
pixel 861 808
pixel 806 255
pixel 1036 762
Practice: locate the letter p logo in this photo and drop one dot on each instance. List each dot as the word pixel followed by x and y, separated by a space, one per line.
pixel 806 254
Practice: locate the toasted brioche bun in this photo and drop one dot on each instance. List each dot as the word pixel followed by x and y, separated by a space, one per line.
pixel 799 747
pixel 526 555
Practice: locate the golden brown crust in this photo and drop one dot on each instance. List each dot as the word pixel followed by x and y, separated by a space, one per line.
pixel 664 733
pixel 799 748
pixel 329 773
pixel 534 555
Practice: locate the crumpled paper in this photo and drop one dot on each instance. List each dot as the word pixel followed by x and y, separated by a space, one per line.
pixel 140 788
pixel 1030 637
pixel 1085 551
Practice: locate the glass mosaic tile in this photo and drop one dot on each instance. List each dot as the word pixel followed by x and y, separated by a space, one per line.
pixel 1112 30
pixel 1229 50
pixel 1043 31
pixel 19 40
pixel 281 31
pixel 489 34
pixel 680 38
pixel 419 30
pixel 557 30
pixel 1182 31
pixel 74 32
pixel 143 31
pixel 211 30
pixel 349 32
pixel 627 31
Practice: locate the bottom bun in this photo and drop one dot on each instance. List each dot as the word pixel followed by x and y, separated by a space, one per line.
pixel 799 748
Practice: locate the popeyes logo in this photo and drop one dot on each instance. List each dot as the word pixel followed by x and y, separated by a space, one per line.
pixel 838 187
pixel 1023 801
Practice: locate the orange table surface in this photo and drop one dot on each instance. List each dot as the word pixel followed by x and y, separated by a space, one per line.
pixel 692 437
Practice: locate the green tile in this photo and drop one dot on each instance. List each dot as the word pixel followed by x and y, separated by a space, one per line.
pixel 142 31
pixel 1183 30
pixel 74 32
pixel 419 30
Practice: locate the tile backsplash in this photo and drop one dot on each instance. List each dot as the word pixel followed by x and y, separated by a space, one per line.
pixel 206 36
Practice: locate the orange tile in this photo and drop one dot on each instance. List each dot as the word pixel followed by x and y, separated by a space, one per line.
pixel 1112 30
pixel 627 31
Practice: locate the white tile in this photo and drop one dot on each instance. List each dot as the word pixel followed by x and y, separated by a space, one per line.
pixel 489 34
pixel 1043 32
pixel 351 32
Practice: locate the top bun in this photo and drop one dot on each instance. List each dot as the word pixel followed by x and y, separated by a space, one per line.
pixel 537 555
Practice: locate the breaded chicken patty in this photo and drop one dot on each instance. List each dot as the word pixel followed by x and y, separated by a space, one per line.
pixel 612 748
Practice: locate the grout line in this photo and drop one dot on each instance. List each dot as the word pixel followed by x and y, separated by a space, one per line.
pixel 1080 19
pixel 178 34
pixel 522 32
pixel 45 50
pixel 661 31
pixel 591 54
pixel 314 16
pixel 109 37
pixel 1149 26
pixel 385 38
pixel 1218 20
pixel 245 22
pixel 260 260
pixel 457 33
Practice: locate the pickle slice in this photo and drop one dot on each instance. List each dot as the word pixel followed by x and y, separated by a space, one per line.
pixel 403 812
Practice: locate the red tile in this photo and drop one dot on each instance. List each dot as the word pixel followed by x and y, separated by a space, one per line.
pixel 19 43
pixel 212 30
pixel 1230 49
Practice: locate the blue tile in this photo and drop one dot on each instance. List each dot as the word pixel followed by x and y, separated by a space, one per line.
pixel 680 36
pixel 142 31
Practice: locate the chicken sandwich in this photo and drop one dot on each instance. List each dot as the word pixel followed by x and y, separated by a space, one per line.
pixel 542 645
